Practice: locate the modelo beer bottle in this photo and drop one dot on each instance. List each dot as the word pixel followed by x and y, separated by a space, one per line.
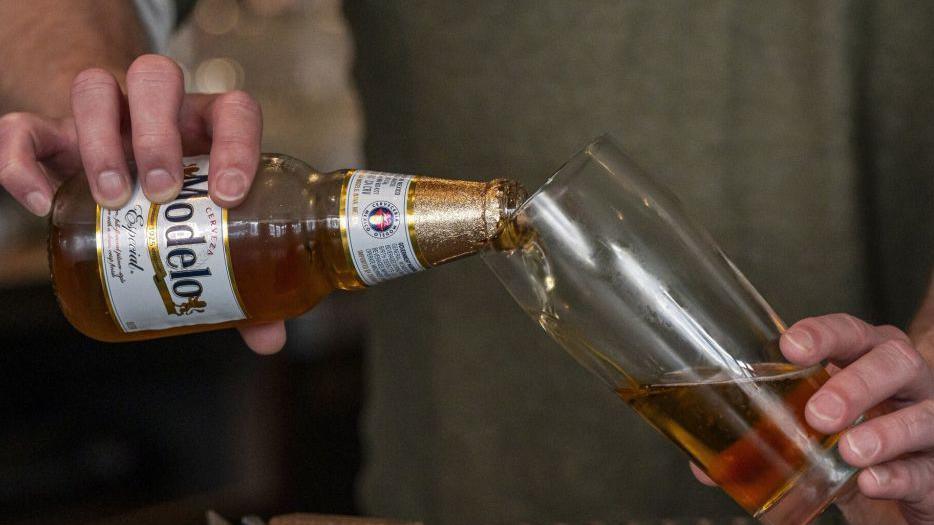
pixel 151 270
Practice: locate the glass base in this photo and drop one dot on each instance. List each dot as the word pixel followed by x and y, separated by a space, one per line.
pixel 813 491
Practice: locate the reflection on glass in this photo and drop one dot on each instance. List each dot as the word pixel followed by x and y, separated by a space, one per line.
pixel 606 261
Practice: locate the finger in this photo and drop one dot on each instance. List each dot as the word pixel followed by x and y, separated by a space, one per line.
pixel 910 480
pixel 892 369
pixel 24 140
pixel 887 437
pixel 840 338
pixel 96 103
pixel 702 476
pixel 155 87
pixel 235 123
pixel 264 339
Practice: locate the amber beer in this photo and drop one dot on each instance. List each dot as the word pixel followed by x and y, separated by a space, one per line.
pixel 748 435
pixel 149 270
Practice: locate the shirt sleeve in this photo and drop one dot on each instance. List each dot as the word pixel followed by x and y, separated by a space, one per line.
pixel 159 18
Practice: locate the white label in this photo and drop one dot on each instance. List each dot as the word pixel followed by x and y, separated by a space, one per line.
pixel 376 223
pixel 166 265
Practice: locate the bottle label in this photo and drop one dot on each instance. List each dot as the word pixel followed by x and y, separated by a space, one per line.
pixel 168 265
pixel 377 227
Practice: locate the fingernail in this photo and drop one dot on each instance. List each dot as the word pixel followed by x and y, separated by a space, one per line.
pixel 160 185
pixel 38 203
pixel 881 475
pixel 231 185
pixel 826 406
pixel 112 186
pixel 864 443
pixel 800 340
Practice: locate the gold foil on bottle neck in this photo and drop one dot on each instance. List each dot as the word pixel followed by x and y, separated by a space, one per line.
pixel 450 219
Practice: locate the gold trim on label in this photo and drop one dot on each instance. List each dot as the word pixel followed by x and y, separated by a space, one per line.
pixel 230 272
pixel 343 219
pixel 158 270
pixel 410 222
pixel 99 238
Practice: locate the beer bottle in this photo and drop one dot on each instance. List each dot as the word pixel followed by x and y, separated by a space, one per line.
pixel 151 270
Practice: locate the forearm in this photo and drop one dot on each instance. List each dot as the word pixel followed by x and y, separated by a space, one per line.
pixel 45 43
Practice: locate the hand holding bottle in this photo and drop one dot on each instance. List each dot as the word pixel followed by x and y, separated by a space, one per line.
pixel 155 123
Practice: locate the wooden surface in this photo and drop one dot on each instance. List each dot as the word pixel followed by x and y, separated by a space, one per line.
pixel 320 519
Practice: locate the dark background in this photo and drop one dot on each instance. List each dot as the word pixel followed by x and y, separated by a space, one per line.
pixel 92 430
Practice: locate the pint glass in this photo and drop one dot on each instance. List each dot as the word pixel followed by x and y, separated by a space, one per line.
pixel 609 265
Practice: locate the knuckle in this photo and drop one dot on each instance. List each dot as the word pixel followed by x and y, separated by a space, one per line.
pixel 94 147
pixel 907 427
pixel 820 330
pixel 155 139
pixel 238 100
pixel 856 327
pixel 93 80
pixel 908 474
pixel 157 70
pixel 919 426
pixel 853 387
pixel 152 133
pixel 234 142
pixel 919 473
pixel 904 355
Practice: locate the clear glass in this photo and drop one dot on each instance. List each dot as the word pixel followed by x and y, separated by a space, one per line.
pixel 607 262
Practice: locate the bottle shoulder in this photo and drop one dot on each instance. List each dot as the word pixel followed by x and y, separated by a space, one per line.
pixel 283 162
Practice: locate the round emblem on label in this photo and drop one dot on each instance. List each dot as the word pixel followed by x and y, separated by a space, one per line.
pixel 380 219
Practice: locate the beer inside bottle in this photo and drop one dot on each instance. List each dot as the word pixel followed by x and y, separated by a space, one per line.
pixel 152 270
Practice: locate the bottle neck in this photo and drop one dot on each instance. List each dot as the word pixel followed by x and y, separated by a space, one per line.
pixel 393 225
pixel 452 219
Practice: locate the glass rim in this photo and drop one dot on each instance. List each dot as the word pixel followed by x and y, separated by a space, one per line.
pixel 551 180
